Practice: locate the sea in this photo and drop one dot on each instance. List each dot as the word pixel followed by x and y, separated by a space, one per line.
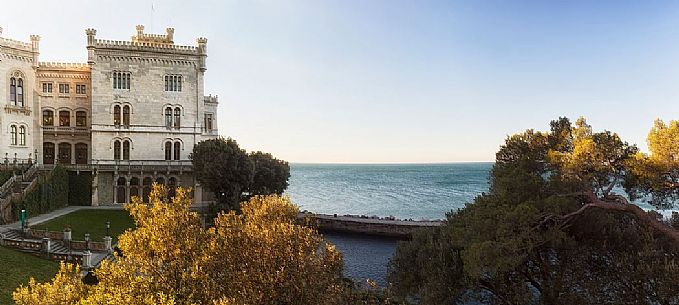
pixel 405 191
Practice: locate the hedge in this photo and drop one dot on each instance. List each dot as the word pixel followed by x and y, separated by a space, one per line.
pixel 80 188
pixel 48 194
pixel 4 176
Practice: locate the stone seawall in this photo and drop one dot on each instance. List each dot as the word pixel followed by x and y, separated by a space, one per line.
pixel 366 225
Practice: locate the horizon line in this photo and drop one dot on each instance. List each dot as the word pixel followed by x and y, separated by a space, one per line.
pixel 388 163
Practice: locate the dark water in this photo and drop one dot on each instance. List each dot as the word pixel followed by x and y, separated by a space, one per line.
pixel 418 191
pixel 365 257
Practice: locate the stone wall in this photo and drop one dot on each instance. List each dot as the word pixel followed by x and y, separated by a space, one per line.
pixel 18 59
pixel 369 226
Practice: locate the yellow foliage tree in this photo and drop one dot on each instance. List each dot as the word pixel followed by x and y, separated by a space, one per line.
pixel 258 257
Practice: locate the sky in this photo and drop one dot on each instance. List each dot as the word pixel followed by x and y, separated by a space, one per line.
pixel 390 81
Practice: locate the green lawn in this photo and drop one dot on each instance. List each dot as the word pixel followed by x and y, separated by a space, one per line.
pixel 90 221
pixel 17 267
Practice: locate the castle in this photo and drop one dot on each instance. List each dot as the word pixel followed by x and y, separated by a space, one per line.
pixel 130 116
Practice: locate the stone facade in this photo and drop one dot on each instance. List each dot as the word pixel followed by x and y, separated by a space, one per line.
pixel 131 114
pixel 19 125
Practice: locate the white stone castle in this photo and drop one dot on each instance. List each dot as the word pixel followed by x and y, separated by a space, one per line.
pixel 130 115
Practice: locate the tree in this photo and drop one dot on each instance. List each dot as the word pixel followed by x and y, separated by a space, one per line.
pixel 258 257
pixel 550 230
pixel 223 167
pixel 234 175
pixel 271 175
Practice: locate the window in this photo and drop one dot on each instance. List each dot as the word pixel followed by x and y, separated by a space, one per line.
pixel 81 119
pixel 64 118
pixel 208 122
pixel 177 115
pixel 64 153
pixel 126 116
pixel 80 89
pixel 116 150
pixel 20 92
pixel 64 88
pixel 126 150
pixel 121 80
pixel 48 153
pixel 13 134
pixel 13 91
pixel 81 153
pixel 168 117
pixel 168 151
pixel 22 136
pixel 47 87
pixel 173 83
pixel 47 118
pixel 116 115
pixel 177 150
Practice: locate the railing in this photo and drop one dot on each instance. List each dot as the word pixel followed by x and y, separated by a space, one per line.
pixel 141 165
pixel 66 129
pixel 30 173
pixel 6 187
pixel 143 162
pixel 18 109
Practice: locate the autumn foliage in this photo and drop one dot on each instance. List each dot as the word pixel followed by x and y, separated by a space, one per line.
pixel 258 257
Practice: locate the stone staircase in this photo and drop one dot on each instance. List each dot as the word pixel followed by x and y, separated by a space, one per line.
pixel 15 188
pixel 53 249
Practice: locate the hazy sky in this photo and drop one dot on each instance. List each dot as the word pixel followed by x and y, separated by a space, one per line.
pixel 398 81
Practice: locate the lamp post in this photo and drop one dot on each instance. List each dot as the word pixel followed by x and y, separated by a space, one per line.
pixel 108 228
pixel 23 219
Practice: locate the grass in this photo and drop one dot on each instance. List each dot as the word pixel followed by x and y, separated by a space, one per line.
pixel 17 267
pixel 90 221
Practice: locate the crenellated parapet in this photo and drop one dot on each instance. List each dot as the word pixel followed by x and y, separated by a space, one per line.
pixel 157 44
pixel 16 44
pixel 211 99
pixel 63 70
pixel 65 65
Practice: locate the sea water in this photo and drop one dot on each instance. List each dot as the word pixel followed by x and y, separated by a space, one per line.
pixel 417 191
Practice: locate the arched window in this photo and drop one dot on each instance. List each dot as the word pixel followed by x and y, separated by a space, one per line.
pixel 146 188
pixel 22 136
pixel 116 150
pixel 168 117
pixel 81 153
pixel 126 116
pixel 48 153
pixel 64 118
pixel 126 150
pixel 20 92
pixel 47 118
pixel 168 150
pixel 13 91
pixel 177 115
pixel 116 115
pixel 171 187
pixel 64 153
pixel 13 134
pixel 134 187
pixel 177 150
pixel 81 119
pixel 121 190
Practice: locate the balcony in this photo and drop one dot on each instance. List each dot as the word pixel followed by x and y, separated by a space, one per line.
pixel 66 129
pixel 18 109
pixel 143 165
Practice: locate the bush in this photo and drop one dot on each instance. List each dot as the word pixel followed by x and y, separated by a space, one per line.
pixel 80 188
pixel 48 194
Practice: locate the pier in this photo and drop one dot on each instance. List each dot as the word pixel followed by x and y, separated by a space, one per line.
pixel 376 226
